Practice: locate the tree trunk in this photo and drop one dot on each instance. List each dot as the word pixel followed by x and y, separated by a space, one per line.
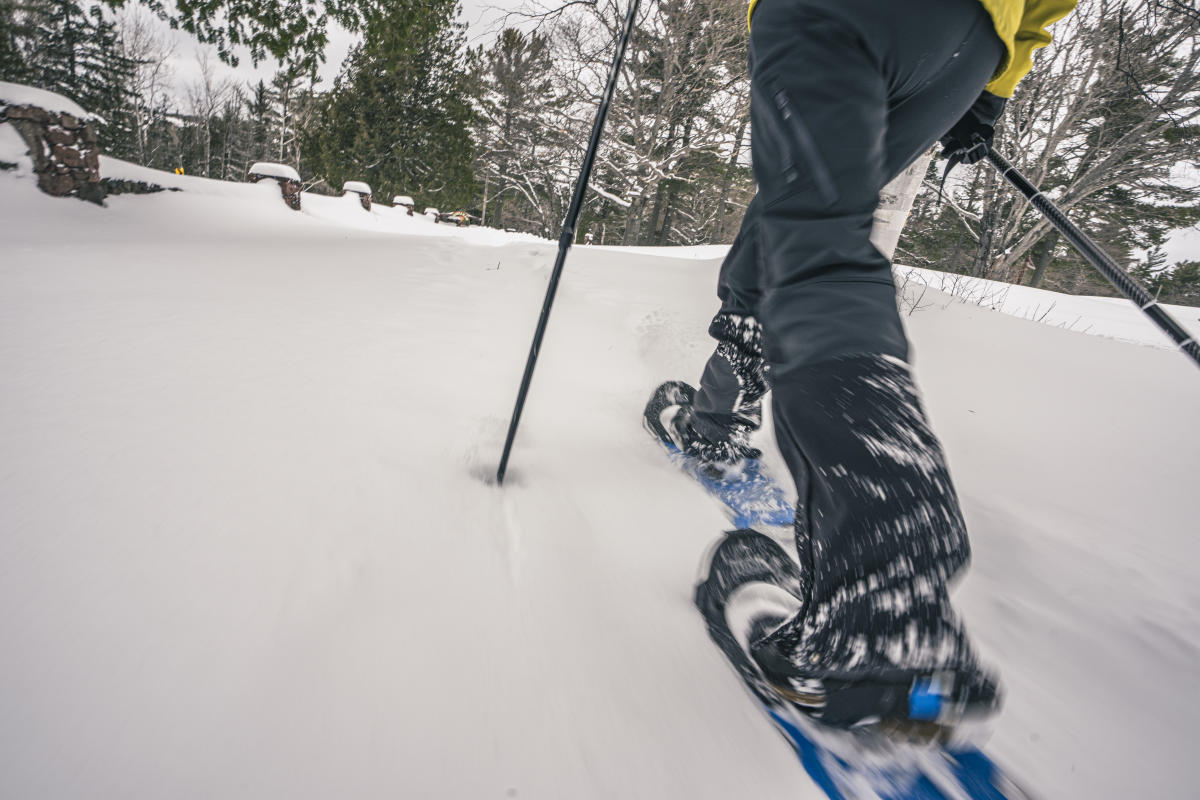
pixel 895 204
pixel 664 235
pixel 633 221
pixel 727 182
pixel 483 213
pixel 988 220
pixel 207 145
pixel 1043 254
pixel 660 197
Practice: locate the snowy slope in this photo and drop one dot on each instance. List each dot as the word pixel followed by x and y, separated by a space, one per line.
pixel 247 547
pixel 1114 317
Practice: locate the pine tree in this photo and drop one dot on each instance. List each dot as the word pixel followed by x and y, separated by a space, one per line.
pixel 399 115
pixel 520 144
pixel 14 67
pixel 1182 284
pixel 77 55
pixel 285 98
pixel 259 108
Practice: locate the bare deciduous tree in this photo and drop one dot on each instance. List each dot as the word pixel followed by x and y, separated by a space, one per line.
pixel 143 42
pixel 206 97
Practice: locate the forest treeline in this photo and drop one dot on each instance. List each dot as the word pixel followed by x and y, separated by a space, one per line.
pixel 1105 124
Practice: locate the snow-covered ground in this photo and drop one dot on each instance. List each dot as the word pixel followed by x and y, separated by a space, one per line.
pixel 248 547
pixel 1114 317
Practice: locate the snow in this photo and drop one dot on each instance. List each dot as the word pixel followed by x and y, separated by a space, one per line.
pixel 248 547
pixel 275 171
pixel 612 198
pixel 403 200
pixel 17 94
pixel 1183 245
pixel 13 149
pixel 357 187
pixel 1103 316
pixel 706 252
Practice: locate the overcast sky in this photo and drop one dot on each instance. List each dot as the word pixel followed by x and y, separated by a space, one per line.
pixel 482 17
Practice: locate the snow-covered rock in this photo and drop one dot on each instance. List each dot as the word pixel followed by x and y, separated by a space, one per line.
pixel 267 169
pixel 59 139
pixel 287 177
pixel 359 190
pixel 17 94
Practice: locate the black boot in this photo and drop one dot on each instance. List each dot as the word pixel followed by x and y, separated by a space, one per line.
pixel 669 416
pixel 937 699
pixel 879 536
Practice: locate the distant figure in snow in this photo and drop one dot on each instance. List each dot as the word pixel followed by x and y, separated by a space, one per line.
pixel 845 94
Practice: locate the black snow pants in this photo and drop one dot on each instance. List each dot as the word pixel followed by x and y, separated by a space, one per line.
pixel 845 95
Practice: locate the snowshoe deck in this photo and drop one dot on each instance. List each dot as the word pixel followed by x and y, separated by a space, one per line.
pixel 752 499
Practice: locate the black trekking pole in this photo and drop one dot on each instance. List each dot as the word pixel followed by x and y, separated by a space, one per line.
pixel 1119 278
pixel 568 234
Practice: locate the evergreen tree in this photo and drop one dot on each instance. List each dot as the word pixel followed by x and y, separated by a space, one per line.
pixel 520 147
pixel 399 114
pixel 1178 283
pixel 259 108
pixel 76 53
pixel 14 67
pixel 1182 284
pixel 290 109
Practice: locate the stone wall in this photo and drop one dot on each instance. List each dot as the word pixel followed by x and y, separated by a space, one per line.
pixel 65 153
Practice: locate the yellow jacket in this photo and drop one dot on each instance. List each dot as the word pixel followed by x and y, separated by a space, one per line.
pixel 1021 25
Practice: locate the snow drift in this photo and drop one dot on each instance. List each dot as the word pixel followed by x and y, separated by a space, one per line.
pixel 248 548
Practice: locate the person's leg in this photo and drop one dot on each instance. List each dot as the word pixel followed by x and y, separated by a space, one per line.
pixel 739 284
pixel 879 530
pixel 715 425
pixel 729 397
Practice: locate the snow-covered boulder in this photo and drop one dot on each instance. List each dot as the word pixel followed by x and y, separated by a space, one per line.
pixel 287 178
pixel 362 190
pixel 59 138
pixel 433 213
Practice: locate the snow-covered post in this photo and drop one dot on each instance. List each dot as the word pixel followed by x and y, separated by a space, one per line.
pixel 288 179
pixel 358 188
pixel 60 137
pixel 895 203
pixel 405 201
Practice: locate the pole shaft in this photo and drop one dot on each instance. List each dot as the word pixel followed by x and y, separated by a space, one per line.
pixel 568 234
pixel 1099 259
